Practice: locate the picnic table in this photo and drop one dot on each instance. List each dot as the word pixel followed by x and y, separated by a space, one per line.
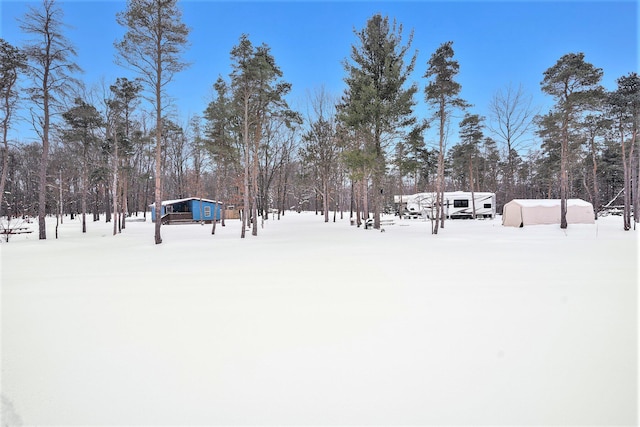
pixel 14 230
pixel 368 224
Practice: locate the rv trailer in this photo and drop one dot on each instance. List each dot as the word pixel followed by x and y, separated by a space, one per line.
pixel 457 204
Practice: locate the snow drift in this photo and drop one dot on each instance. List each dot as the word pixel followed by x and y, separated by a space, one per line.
pixel 321 323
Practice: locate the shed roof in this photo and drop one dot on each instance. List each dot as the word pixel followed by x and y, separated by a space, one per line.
pixel 173 202
pixel 550 202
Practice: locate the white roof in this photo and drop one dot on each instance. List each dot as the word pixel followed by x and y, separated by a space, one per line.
pixel 550 202
pixel 173 202
pixel 447 195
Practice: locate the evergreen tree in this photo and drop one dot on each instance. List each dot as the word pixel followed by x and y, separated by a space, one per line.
pixel 125 97
pixel 13 62
pixel 549 130
pixel 573 83
pixel 611 171
pixel 471 135
pixel 625 109
pixel 594 127
pixel 490 170
pixel 378 104
pixel 411 155
pixel 82 120
pixel 154 39
pixel 442 93
pixel 258 95
pixel 222 142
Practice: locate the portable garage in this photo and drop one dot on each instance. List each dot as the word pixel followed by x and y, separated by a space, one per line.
pixel 521 212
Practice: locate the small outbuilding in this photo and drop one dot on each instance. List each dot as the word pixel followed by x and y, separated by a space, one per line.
pixel 191 209
pixel 521 212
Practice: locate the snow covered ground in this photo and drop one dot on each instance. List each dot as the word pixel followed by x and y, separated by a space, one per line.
pixel 321 323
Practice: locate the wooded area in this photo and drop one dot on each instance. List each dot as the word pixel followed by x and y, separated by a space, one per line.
pixel 109 155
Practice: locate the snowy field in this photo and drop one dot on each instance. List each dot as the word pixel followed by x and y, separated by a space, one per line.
pixel 315 323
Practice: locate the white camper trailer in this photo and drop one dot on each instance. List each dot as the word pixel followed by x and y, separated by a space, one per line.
pixel 457 204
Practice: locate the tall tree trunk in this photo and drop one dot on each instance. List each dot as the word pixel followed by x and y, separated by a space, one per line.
pixel 325 199
pixel 365 199
pixel 594 171
pixel 635 176
pixel 125 204
pixel 61 205
pixel 5 151
pixel 5 166
pixel 146 189
pixel 473 197
pixel 254 180
pixel 115 182
pixel 352 202
pixel 357 201
pixel 627 160
pixel 247 158
pixel 378 173
pixel 85 184
pixel 158 177
pixel 376 196
pixel 42 194
pixel 564 174
pixel 437 208
pixel 440 179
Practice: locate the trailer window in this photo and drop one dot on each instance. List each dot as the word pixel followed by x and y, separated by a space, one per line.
pixel 460 203
pixel 487 205
pixel 207 211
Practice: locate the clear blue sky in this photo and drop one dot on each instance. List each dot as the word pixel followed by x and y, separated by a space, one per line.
pixel 495 42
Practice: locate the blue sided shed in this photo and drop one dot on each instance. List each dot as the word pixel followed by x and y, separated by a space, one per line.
pixel 191 209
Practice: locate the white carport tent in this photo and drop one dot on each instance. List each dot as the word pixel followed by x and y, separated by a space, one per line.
pixel 521 212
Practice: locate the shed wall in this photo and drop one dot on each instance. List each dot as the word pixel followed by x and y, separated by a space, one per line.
pixel 198 210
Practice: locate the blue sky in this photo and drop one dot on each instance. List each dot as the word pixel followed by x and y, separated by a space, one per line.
pixel 495 42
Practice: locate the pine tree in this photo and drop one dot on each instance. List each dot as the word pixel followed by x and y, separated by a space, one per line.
pixel 625 109
pixel 82 122
pixel 152 45
pixel 125 97
pixel 13 63
pixel 550 131
pixel 442 94
pixel 470 137
pixel 594 127
pixel 258 95
pixel 410 156
pixel 378 104
pixel 573 83
pixel 221 141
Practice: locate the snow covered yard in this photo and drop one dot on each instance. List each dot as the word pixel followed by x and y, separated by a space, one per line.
pixel 321 323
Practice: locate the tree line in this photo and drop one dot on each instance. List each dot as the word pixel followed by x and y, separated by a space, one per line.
pixel 115 151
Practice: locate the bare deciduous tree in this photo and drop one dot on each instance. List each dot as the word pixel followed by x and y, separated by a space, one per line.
pixel 510 120
pixel 320 148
